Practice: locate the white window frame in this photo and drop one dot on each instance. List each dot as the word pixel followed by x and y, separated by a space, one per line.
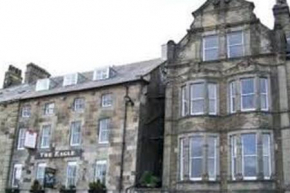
pixel 69 176
pixel 267 155
pixel 192 157
pixel 42 84
pixel 70 79
pixel 212 99
pixel 243 157
pixel 215 156
pixel 234 45
pixel 21 138
pixel 210 48
pixel 192 99
pixel 101 163
pixel 184 101
pixel 181 158
pixel 107 100
pixel 49 109
pixel 266 94
pixel 16 168
pixel 233 96
pixel 248 94
pixel 234 153
pixel 103 128
pixel 26 111
pixel 40 172
pixel 79 105
pixel 45 136
pixel 74 133
pixel 102 74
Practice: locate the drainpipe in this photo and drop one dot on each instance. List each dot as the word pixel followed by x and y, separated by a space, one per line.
pixel 128 101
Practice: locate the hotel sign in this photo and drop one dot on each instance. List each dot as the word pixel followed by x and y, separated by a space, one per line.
pixel 58 154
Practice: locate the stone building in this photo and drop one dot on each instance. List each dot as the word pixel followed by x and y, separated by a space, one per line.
pixel 227 123
pixel 83 126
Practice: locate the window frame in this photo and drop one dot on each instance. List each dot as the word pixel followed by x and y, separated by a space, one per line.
pixel 48 136
pixel 196 157
pixel 192 99
pixel 233 96
pixel 102 73
pixel 21 146
pixel 42 84
pixel 48 111
pixel 15 168
pixel 210 48
pixel 101 129
pixel 103 163
pixel 229 45
pixel 72 134
pixel 215 155
pixel 26 111
pixel 266 94
pixel 251 94
pixel 79 105
pixel 215 98
pixel 181 158
pixel 69 176
pixel 269 156
pixel 40 165
pixel 104 100
pixel 70 79
pixel 184 101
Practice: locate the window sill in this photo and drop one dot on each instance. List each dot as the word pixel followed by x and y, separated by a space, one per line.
pixel 249 112
pixel 199 182
pixel 200 115
pixel 251 181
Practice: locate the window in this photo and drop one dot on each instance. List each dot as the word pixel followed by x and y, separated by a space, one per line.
pixel 211 159
pixel 16 175
pixel 40 172
pixel 71 176
pixel 212 98
pixel 79 105
pixel 184 101
pixel 21 138
pixel 75 133
pixel 101 74
pixel 49 109
pixel 253 156
pixel 210 48
pixel 267 156
pixel 26 111
pixel 107 100
pixel 42 84
pixel 45 136
pixel 249 153
pixel 196 157
pixel 248 94
pixel 104 131
pixel 264 94
pixel 101 170
pixel 235 44
pixel 233 94
pixel 197 98
pixel 70 79
pixel 181 158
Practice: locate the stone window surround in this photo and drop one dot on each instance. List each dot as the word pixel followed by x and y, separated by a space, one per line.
pixel 187 85
pixel 223 41
pixel 186 151
pixel 237 79
pixel 239 169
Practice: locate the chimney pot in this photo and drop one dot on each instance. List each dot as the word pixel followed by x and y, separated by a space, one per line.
pixel 12 77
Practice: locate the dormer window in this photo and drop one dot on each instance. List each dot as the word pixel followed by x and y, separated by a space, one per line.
pixel 42 84
pixel 70 79
pixel 102 74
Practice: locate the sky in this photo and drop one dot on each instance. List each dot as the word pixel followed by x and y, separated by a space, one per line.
pixel 66 36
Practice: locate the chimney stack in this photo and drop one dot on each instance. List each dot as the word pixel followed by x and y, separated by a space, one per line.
pixel 12 77
pixel 282 16
pixel 34 73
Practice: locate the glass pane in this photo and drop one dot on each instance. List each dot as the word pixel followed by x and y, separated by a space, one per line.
pixel 263 85
pixel 248 86
pixel 249 144
pixel 266 166
pixel 248 102
pixel 266 144
pixel 264 102
pixel 212 106
pixel 196 168
pixel 236 51
pixel 211 147
pixel 197 106
pixel 197 90
pixel 196 146
pixel 235 38
pixel 250 166
pixel 211 42
pixel 212 54
pixel 212 91
pixel 211 168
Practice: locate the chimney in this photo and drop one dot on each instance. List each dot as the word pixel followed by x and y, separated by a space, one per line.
pixel 12 77
pixel 34 72
pixel 168 51
pixel 282 16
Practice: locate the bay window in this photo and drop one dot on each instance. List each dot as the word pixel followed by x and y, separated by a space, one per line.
pixel 210 48
pixel 248 94
pixel 251 156
pixel 203 98
pixel 233 94
pixel 264 93
pixel 196 157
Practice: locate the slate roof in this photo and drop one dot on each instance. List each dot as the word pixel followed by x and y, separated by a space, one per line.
pixel 124 73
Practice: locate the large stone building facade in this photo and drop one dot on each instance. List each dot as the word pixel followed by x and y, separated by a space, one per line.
pixel 227 102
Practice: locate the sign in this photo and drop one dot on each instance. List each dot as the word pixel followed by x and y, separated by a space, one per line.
pixel 59 154
pixel 30 139
pixel 49 178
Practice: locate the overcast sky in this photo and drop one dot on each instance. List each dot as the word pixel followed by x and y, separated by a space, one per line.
pixel 65 36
